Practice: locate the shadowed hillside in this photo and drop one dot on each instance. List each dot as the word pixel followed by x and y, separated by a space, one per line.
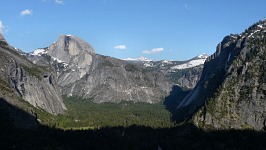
pixel 173 100
pixel 133 137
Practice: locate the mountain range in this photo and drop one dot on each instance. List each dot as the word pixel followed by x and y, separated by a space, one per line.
pixel 227 88
pixel 70 67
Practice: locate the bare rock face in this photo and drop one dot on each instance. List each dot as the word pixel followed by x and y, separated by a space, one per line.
pixel 80 72
pixel 185 74
pixel 113 80
pixel 190 77
pixel 75 53
pixel 231 92
pixel 69 48
pixel 40 91
pixel 32 83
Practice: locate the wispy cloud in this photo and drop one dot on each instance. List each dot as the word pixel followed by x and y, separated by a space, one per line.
pixel 26 12
pixel 2 27
pixel 60 2
pixel 187 7
pixel 120 47
pixel 153 51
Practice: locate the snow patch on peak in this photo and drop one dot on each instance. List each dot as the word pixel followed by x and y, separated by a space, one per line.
pixel 38 52
pixel 199 60
pixel 203 56
pixel 143 59
pixel 167 62
pixel 260 26
pixel 130 59
pixel 138 59
pixel 148 64
pixel 190 64
pixel 58 60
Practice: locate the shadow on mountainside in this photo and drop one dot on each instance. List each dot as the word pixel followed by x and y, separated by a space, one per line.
pixel 172 101
pixel 11 116
pixel 119 138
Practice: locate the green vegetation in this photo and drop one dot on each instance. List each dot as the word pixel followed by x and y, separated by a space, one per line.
pixel 34 70
pixel 108 63
pixel 84 114
pixel 3 44
pixel 131 67
pixel 5 86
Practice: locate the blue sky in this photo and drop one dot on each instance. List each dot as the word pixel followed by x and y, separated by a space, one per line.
pixel 156 29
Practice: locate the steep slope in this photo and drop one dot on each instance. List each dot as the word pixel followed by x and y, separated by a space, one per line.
pixel 30 82
pixel 231 91
pixel 82 73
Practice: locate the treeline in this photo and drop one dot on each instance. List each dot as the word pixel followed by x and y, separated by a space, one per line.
pixel 84 114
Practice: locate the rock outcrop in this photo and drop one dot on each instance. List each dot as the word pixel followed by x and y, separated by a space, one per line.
pixel 75 53
pixel 231 92
pixel 32 83
pixel 82 73
pixel 71 67
pixel 113 80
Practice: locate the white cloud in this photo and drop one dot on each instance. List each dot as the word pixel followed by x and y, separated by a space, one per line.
pixel 60 2
pixel 121 47
pixel 153 51
pixel 26 12
pixel 2 27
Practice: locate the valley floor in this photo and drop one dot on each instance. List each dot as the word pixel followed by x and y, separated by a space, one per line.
pixel 84 114
pixel 149 135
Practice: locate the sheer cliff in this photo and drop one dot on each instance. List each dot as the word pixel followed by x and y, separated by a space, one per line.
pixel 32 83
pixel 231 91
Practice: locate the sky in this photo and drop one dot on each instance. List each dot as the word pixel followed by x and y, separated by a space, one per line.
pixel 155 29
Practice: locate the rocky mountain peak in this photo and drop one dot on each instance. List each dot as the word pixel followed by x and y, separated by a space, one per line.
pixel 202 56
pixel 68 47
pixel 137 59
pixel 73 52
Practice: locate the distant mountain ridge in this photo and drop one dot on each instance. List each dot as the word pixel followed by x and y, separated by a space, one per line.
pixel 138 59
pixel 71 67
pixel 175 65
pixel 185 74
